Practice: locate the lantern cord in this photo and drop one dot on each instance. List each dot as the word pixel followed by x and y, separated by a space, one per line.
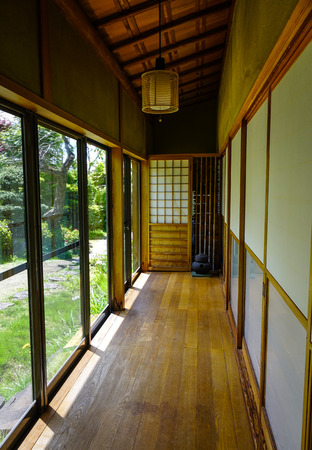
pixel 159 28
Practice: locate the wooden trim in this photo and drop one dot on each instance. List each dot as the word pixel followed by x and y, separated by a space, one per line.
pixel 165 156
pixel 118 302
pixel 255 257
pixel 294 309
pixel 251 373
pixel 45 52
pixel 133 154
pixel 234 237
pixel 307 399
pixel 241 255
pixel 190 204
pixel 228 216
pixel 144 215
pixel 11 91
pixel 292 41
pixel 78 20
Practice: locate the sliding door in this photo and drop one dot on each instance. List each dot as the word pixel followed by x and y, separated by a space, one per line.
pixel 132 255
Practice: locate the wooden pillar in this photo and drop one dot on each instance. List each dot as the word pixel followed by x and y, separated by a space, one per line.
pixel 144 215
pixel 118 301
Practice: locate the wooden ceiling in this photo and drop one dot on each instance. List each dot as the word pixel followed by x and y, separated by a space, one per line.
pixel 194 34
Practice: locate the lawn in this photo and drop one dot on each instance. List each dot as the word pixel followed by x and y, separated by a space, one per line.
pixel 62 319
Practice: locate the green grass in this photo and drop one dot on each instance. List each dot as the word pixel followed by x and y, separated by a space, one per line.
pixel 63 328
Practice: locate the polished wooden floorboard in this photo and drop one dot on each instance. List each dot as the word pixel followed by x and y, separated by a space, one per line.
pixel 160 375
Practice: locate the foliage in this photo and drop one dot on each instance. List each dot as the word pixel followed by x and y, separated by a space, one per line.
pixel 6 241
pixel 98 284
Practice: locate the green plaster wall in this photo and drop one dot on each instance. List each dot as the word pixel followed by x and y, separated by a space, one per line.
pixel 256 27
pixel 134 126
pixel 19 48
pixel 190 130
pixel 81 84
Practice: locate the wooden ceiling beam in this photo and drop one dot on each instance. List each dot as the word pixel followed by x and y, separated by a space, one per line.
pixel 185 60
pixel 165 50
pixel 216 62
pixel 222 7
pixel 81 23
pixel 127 13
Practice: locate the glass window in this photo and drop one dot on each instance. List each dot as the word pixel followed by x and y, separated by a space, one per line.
pixel 60 246
pixel 285 373
pixel 135 216
pixel 97 209
pixel 253 312
pixel 234 278
pixel 15 344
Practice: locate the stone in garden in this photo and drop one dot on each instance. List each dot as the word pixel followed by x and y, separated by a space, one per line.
pixel 52 286
pixel 2 307
pixel 2 402
pixel 20 295
pixel 57 279
pixel 14 408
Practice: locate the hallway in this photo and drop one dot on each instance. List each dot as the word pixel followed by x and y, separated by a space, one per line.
pixel 162 374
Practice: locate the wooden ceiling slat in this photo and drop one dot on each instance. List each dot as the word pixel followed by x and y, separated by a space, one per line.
pixel 126 14
pixel 203 89
pixel 222 7
pixel 165 50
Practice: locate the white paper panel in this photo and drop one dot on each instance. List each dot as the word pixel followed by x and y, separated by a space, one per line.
pixel 290 188
pixel 234 278
pixel 255 181
pixel 285 373
pixel 224 186
pixel 235 183
pixel 253 312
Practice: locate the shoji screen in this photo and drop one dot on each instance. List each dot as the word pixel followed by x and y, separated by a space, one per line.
pixel 290 184
pixel 234 219
pixel 169 215
pixel 235 183
pixel 255 181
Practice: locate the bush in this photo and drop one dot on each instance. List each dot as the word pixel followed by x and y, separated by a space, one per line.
pixel 6 241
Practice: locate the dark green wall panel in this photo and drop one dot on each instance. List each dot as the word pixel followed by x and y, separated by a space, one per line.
pixel 134 128
pixel 19 43
pixel 190 130
pixel 81 84
pixel 256 28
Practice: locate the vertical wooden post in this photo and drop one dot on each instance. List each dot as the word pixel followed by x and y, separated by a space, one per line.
pixel 118 302
pixel 228 207
pixel 144 215
pixel 241 254
pixel 307 403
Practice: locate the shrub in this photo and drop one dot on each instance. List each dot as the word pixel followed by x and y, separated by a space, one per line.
pixel 6 241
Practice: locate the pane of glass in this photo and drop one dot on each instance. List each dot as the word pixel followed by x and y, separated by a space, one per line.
pixel 253 312
pixel 135 217
pixel 60 246
pixel 15 346
pixel 285 373
pixel 97 211
pixel 234 278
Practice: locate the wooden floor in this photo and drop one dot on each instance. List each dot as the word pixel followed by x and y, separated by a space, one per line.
pixel 162 374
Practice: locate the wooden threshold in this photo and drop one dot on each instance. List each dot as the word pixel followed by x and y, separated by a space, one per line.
pixel 160 374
